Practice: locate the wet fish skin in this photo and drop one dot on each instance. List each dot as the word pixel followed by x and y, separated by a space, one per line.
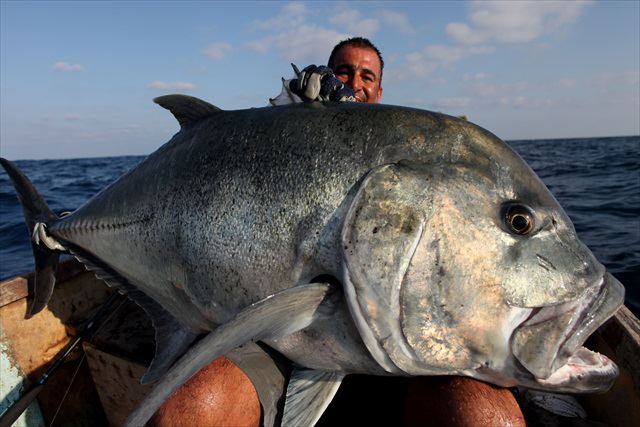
pixel 405 208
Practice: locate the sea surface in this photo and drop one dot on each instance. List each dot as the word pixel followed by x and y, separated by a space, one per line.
pixel 596 180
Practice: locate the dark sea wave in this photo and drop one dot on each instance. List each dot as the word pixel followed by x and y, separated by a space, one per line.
pixel 596 180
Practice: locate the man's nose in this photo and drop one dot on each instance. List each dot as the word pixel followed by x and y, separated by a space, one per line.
pixel 355 82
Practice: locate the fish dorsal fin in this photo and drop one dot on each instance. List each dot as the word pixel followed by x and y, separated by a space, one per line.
pixel 308 394
pixel 186 109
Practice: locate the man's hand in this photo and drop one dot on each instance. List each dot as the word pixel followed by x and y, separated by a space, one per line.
pixel 318 83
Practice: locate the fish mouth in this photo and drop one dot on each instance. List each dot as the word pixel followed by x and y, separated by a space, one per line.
pixel 549 344
pixel 585 371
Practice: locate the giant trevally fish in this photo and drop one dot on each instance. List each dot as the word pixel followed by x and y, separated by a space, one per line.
pixel 351 238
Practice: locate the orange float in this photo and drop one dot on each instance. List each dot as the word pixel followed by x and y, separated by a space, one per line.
pixel 219 395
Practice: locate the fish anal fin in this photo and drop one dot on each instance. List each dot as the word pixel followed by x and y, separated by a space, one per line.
pixel 186 109
pixel 308 394
pixel 172 338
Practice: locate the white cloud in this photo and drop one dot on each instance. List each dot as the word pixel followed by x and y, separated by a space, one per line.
pixel 171 86
pixel 66 67
pixel 453 103
pixel 567 82
pixel 291 15
pixel 353 21
pixel 293 35
pixel 488 89
pixel 445 55
pixel 621 78
pixel 261 45
pixel 462 33
pixel 217 50
pixel 482 91
pixel 530 102
pixel 303 43
pixel 421 64
pixel 621 84
pixel 415 65
pixel 476 77
pixel 514 21
pixel 396 20
pixel 346 17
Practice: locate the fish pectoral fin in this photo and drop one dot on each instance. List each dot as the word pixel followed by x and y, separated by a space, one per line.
pixel 276 316
pixel 268 371
pixel 308 394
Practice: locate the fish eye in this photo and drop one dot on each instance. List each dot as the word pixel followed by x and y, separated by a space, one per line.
pixel 519 219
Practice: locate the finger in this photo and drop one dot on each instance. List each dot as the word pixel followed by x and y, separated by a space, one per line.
pixel 303 79
pixel 313 86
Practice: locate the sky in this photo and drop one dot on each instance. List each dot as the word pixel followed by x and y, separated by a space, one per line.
pixel 77 79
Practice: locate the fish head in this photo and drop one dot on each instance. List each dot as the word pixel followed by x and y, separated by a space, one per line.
pixel 471 267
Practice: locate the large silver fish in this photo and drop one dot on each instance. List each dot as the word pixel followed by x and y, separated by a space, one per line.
pixel 352 239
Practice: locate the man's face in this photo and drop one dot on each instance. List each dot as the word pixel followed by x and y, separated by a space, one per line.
pixel 360 69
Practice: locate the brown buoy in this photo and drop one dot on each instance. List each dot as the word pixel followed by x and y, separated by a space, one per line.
pixel 458 401
pixel 219 395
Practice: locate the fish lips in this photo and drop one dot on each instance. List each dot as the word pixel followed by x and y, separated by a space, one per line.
pixel 549 344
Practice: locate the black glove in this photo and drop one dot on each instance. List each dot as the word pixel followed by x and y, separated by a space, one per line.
pixel 318 83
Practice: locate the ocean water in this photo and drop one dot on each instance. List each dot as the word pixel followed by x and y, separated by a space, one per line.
pixel 596 180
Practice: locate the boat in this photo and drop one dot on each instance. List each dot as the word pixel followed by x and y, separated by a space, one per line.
pixel 99 384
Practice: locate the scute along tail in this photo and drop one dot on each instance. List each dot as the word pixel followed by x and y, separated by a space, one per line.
pixel 36 211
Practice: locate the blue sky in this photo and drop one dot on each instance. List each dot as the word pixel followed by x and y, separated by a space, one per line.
pixel 77 79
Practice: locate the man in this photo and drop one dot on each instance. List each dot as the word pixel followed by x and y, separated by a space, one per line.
pixel 354 73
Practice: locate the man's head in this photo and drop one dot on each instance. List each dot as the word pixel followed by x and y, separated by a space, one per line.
pixel 358 64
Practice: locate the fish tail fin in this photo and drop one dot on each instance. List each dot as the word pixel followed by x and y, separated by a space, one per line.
pixel 37 214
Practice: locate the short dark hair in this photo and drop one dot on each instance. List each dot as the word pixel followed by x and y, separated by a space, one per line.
pixel 355 42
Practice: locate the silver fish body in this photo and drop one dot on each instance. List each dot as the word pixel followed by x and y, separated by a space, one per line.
pixel 452 255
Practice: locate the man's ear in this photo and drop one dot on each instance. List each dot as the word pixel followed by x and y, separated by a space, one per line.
pixel 379 93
